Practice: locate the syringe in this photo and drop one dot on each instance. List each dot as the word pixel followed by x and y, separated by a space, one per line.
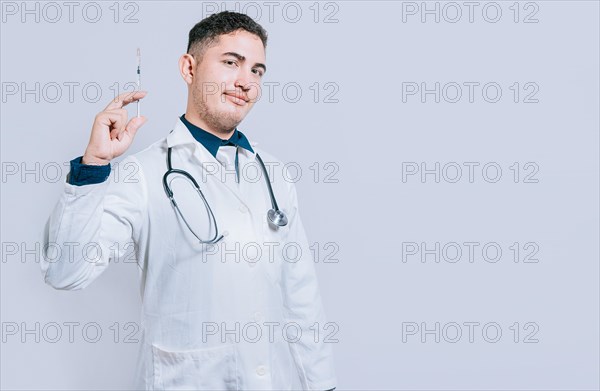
pixel 139 78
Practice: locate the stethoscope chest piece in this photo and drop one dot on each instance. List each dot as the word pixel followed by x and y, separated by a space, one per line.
pixel 277 217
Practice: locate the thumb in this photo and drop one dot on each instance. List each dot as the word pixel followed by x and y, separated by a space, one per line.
pixel 134 124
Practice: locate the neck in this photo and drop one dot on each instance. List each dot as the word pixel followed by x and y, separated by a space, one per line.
pixel 195 119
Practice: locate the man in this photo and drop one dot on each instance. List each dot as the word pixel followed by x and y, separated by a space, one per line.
pixel 240 312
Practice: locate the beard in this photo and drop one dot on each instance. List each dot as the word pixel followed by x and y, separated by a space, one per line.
pixel 222 122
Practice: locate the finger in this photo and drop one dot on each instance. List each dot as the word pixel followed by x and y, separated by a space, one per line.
pixel 124 99
pixel 118 122
pixel 133 126
pixel 111 120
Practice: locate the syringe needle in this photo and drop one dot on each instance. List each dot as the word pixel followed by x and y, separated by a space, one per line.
pixel 139 78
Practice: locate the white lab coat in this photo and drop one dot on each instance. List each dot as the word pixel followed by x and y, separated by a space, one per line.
pixel 205 309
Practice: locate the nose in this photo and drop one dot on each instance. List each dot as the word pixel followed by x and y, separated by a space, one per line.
pixel 242 81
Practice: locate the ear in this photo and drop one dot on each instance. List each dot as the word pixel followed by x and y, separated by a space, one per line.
pixel 187 68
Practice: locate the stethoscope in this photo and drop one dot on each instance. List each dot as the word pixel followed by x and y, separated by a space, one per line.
pixel 275 216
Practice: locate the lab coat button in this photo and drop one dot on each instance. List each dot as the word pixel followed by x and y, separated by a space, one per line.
pixel 243 208
pixel 261 370
pixel 225 233
pixel 258 316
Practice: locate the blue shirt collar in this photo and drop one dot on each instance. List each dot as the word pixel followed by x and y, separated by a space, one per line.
pixel 212 142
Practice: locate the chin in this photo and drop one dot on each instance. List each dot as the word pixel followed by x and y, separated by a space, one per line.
pixel 234 115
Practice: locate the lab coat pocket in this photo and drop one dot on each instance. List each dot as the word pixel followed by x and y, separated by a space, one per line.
pixel 212 368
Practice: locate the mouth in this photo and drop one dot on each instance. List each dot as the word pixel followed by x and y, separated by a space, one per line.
pixel 238 101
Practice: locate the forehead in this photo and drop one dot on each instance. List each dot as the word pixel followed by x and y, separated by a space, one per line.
pixel 242 42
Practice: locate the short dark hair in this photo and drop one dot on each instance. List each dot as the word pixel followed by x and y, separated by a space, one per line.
pixel 206 32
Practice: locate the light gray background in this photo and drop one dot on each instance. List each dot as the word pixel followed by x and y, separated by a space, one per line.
pixel 370 212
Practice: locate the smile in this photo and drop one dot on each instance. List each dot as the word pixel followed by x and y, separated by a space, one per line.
pixel 237 101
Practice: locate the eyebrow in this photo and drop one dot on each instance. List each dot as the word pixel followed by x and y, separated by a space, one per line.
pixel 242 59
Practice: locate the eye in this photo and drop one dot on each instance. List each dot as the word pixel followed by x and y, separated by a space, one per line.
pixel 230 62
pixel 259 73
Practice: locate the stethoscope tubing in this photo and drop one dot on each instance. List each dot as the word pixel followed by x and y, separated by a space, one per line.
pixel 216 238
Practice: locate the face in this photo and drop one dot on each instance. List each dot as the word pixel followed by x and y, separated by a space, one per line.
pixel 225 85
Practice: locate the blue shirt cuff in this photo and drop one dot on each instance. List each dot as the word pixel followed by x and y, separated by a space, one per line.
pixel 87 174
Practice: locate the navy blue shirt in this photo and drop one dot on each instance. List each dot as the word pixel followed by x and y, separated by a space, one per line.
pixel 212 142
pixel 87 174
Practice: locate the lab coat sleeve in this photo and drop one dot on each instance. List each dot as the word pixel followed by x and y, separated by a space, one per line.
pixel 91 225
pixel 312 356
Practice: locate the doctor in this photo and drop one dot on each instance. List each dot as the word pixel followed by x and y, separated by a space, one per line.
pixel 230 295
